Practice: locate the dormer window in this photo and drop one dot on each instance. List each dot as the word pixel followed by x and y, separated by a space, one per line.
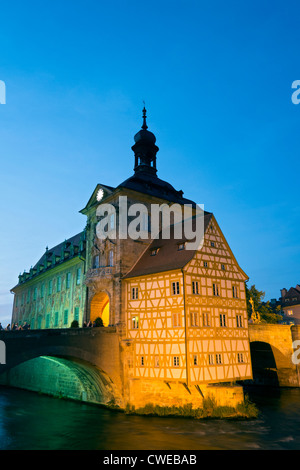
pixel 181 246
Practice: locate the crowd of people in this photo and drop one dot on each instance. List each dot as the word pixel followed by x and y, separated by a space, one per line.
pixel 15 326
pixel 91 324
pixel 26 326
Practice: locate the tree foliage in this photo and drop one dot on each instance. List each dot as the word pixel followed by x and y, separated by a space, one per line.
pixel 268 313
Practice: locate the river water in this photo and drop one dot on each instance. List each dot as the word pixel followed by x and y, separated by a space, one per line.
pixel 29 421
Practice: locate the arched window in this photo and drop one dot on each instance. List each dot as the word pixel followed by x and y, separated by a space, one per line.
pixel 111 258
pixel 96 261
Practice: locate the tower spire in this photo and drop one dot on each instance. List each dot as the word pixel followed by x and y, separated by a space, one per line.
pixel 145 149
pixel 144 126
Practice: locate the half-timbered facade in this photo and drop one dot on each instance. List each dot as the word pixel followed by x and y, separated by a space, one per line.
pixel 186 313
pixel 180 313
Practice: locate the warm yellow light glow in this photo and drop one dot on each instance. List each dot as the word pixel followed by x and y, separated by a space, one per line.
pixel 105 315
pixel 100 308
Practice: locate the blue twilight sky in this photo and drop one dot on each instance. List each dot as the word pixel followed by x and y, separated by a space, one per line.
pixel 216 78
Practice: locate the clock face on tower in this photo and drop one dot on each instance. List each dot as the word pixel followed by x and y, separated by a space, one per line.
pixel 100 195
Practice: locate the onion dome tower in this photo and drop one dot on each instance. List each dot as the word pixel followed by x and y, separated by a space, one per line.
pixel 145 149
pixel 145 180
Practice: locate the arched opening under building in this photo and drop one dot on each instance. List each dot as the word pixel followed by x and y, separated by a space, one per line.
pixel 61 377
pixel 263 364
pixel 100 308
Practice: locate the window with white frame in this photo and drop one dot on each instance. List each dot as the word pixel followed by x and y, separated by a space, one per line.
pixel 210 359
pixel 206 319
pixel 240 357
pixel 176 319
pixel 216 289
pixel 176 361
pixel 175 288
pixel 134 293
pixel 195 287
pixel 234 292
pixel 218 358
pixel 194 316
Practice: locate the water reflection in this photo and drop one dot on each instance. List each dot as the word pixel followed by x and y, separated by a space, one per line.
pixel 31 421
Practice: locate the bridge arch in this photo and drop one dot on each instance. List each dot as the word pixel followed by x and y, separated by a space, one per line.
pixel 92 355
pixel 271 347
pixel 263 364
pixel 63 377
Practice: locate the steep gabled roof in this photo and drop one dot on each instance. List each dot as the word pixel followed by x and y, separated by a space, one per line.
pixel 57 250
pixel 55 256
pixel 292 297
pixel 168 256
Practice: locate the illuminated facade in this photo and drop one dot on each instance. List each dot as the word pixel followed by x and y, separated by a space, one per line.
pixel 186 312
pixel 52 293
pixel 181 314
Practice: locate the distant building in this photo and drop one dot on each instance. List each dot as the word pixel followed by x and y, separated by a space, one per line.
pixel 290 305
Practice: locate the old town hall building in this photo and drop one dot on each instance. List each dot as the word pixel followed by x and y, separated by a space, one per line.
pixel 181 313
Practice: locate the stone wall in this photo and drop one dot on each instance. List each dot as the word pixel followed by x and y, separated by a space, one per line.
pixel 157 392
pixel 280 338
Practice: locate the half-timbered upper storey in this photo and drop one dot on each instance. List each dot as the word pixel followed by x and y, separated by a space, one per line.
pixel 186 311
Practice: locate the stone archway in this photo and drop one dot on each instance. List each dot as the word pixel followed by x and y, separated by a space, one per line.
pixel 100 307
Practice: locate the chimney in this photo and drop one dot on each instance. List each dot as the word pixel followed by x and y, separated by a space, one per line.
pixel 283 292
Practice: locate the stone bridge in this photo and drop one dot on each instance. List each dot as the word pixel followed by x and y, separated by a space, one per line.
pixel 86 363
pixel 83 364
pixel 271 354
